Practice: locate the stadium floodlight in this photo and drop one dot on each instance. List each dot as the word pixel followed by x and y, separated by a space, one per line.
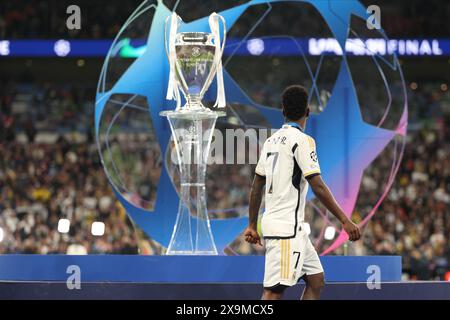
pixel 307 228
pixel 98 229
pixel 330 232
pixel 1 234
pixel 62 48
pixel 63 225
pixel 255 46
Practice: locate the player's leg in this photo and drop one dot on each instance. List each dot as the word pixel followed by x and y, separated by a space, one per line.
pixel 276 272
pixel 312 273
pixel 275 293
pixel 314 286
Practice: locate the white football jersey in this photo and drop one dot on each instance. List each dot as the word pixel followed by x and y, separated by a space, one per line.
pixel 287 158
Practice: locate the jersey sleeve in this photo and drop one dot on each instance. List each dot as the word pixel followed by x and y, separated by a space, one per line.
pixel 306 156
pixel 260 167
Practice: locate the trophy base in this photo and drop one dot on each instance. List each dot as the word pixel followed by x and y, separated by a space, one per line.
pixel 192 253
pixel 193 114
pixel 180 253
pixel 192 131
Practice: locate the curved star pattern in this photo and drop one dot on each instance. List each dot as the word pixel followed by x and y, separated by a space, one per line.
pixel 346 145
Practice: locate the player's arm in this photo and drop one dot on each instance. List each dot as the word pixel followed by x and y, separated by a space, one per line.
pixel 251 234
pixel 256 193
pixel 306 157
pixel 325 196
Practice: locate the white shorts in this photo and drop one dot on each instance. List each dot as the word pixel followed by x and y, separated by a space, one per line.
pixel 287 260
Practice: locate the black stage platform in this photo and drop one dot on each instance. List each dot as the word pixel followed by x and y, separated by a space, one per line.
pixel 126 291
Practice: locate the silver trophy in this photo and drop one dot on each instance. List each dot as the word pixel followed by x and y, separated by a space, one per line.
pixel 195 58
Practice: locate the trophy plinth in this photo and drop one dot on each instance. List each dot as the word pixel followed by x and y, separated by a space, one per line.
pixel 192 132
pixel 195 58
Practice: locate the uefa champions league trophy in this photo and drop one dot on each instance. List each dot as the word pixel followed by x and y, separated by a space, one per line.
pixel 194 58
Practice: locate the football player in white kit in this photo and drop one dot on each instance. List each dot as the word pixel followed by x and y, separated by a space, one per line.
pixel 287 164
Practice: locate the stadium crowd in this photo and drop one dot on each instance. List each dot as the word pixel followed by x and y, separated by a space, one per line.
pixel 50 168
pixel 413 219
pixel 47 19
pixel 43 181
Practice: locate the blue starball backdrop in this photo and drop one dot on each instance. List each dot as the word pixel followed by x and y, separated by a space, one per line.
pixel 343 139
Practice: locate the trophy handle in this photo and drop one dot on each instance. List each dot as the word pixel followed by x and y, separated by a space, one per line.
pixel 165 36
pixel 217 65
pixel 224 39
pixel 172 83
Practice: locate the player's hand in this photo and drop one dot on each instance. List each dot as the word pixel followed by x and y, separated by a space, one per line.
pixel 352 230
pixel 252 236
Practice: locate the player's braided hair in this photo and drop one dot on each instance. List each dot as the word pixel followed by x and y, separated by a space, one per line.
pixel 294 102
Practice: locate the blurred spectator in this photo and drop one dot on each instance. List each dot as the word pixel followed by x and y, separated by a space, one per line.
pixel 47 19
pixel 42 182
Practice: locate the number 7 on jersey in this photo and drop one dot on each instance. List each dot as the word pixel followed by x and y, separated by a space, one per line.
pixel 274 163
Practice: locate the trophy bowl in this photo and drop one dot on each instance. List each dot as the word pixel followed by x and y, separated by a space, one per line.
pixel 195 56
